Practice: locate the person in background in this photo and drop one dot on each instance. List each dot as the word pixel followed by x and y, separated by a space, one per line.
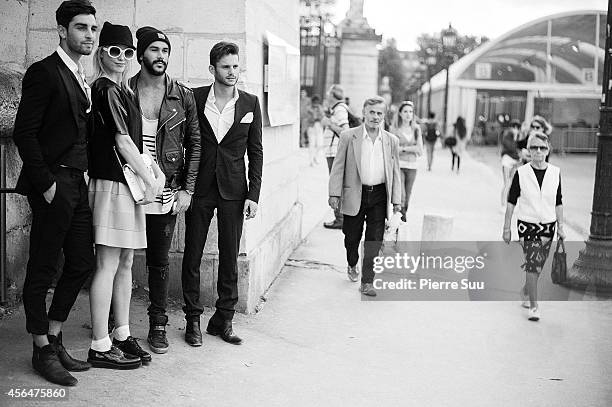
pixel 537 123
pixel 432 132
pixel 315 129
pixel 460 134
pixel 410 138
pixel 536 187
pixel 365 184
pixel 119 222
pixel 304 106
pixel 509 157
pixel 334 125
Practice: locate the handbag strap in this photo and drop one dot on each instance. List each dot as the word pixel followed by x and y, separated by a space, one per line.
pixel 560 244
pixel 117 155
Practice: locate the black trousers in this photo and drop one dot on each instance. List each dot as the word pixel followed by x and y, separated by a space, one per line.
pixel 230 219
pixel 160 229
pixel 373 212
pixel 64 224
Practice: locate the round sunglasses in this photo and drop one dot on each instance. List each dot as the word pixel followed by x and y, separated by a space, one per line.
pixel 539 148
pixel 115 52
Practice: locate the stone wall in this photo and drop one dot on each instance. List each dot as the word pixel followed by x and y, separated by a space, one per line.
pixel 29 33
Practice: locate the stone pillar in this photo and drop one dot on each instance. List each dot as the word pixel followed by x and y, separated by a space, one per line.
pixel 359 57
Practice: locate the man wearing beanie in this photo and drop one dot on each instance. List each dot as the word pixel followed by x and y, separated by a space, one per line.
pixel 230 124
pixel 51 132
pixel 171 132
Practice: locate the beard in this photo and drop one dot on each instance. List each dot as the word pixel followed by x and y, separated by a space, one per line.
pixel 152 69
pixel 79 47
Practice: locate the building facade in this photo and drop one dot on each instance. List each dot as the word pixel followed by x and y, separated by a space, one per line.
pixel 267 32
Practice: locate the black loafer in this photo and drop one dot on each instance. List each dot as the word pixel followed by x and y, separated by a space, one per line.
pixel 46 362
pixel 226 333
pixel 332 225
pixel 71 364
pixel 113 359
pixel 131 347
pixel 193 335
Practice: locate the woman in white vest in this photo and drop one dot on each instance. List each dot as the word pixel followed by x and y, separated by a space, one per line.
pixel 536 187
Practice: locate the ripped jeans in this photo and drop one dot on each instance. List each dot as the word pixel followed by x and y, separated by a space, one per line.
pixel 160 229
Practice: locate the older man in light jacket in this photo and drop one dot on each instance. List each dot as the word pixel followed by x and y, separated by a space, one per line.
pixel 365 183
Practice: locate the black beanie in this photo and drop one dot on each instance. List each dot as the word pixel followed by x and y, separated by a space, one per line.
pixel 112 34
pixel 147 35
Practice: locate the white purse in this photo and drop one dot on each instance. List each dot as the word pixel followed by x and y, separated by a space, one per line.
pixel 134 182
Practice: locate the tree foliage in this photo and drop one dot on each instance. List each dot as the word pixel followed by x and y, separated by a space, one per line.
pixel 390 65
pixel 431 45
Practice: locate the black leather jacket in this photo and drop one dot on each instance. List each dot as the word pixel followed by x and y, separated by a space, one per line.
pixel 178 135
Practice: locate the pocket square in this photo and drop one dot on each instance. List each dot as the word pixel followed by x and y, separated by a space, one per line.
pixel 247 118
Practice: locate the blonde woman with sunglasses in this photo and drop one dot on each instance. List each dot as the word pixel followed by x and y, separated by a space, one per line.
pixel 536 187
pixel 118 221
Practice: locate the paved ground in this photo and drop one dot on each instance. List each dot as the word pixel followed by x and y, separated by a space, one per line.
pixel 315 343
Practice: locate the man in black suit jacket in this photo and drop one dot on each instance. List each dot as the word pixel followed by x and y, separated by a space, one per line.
pixel 51 130
pixel 230 126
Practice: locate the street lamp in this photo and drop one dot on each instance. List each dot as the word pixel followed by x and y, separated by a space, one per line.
pixel 430 61
pixel 449 40
pixel 594 264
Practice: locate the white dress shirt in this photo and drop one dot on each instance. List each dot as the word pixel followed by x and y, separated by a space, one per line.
pixel 372 159
pixel 77 71
pixel 220 121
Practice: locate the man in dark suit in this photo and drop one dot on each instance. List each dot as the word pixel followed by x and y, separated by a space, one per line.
pixel 51 130
pixel 230 126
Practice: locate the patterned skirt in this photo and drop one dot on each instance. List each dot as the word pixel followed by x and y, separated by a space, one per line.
pixel 536 240
pixel 117 220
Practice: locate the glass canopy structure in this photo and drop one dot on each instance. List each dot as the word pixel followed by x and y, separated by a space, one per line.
pixel 552 66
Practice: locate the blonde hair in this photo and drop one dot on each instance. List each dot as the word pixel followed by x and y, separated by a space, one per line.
pixel 98 70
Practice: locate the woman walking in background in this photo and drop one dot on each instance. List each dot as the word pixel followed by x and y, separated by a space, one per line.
pixel 408 131
pixel 536 187
pixel 509 157
pixel 314 131
pixel 118 221
pixel 538 123
pixel 459 133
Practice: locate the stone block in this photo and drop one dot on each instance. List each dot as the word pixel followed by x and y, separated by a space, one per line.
pixel 13 31
pixel 176 64
pixel 436 227
pixel 42 14
pixel 116 12
pixel 192 17
pixel 41 44
pixel 198 49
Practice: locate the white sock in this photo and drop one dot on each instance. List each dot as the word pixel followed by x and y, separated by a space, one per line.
pixel 121 333
pixel 101 345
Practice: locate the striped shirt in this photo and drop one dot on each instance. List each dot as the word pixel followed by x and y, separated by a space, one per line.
pixel 163 203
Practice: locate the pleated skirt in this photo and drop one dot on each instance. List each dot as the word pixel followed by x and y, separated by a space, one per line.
pixel 117 220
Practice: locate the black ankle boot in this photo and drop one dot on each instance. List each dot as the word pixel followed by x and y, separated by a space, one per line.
pixel 193 335
pixel 46 362
pixel 71 364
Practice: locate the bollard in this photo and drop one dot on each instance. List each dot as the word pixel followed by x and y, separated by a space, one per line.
pixel 436 227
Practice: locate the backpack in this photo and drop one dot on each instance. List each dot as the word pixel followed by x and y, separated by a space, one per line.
pixel 431 133
pixel 353 121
